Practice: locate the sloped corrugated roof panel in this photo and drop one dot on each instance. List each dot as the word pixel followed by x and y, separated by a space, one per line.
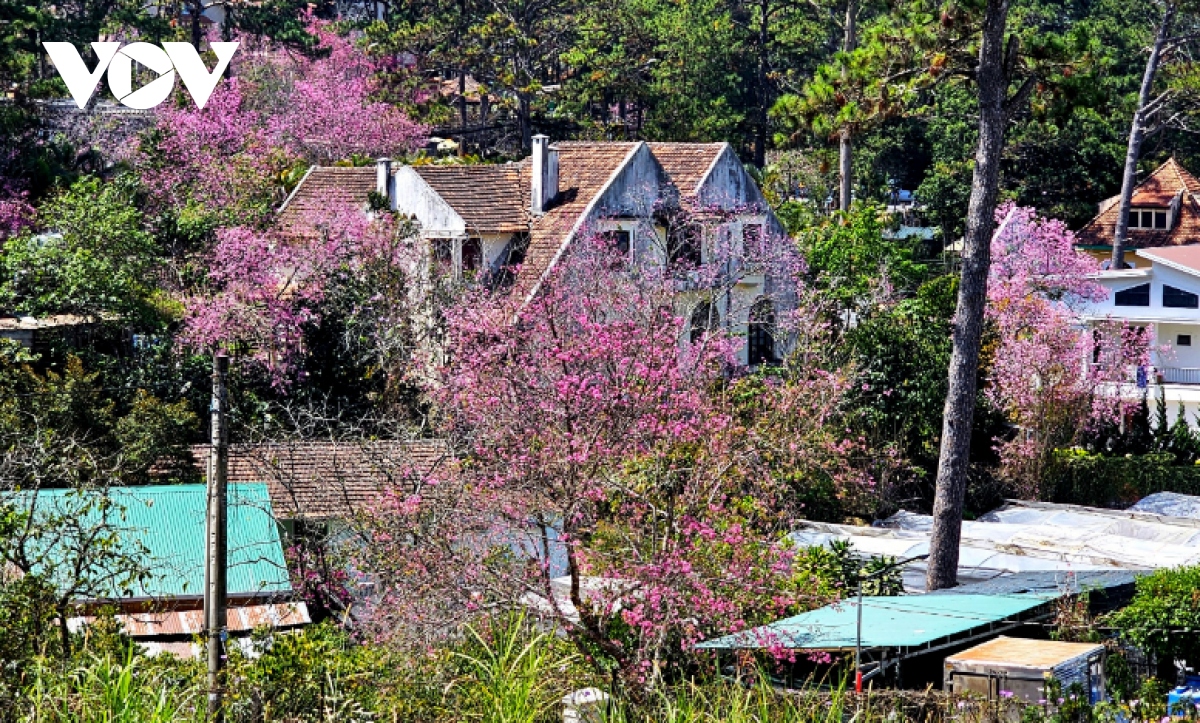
pixel 168 521
pixel 887 622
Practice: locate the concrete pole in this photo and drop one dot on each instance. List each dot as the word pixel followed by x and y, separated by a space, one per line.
pixel 216 563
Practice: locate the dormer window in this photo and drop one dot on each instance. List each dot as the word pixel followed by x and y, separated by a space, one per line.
pixel 1148 219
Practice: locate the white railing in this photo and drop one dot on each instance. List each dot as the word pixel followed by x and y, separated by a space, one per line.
pixel 1180 375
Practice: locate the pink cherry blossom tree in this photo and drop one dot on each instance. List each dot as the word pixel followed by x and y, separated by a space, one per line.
pixel 615 473
pixel 279 109
pixel 264 288
pixel 1052 374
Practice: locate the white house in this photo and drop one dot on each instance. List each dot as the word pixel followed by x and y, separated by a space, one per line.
pixel 1163 292
pixel 483 218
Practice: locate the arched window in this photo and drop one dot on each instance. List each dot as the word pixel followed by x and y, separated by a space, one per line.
pixel 760 339
pixel 704 320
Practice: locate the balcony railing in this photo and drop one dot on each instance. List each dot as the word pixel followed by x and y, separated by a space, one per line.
pixel 1180 375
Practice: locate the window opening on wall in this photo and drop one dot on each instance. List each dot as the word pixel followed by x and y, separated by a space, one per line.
pixel 1147 219
pixel 1174 298
pixel 704 320
pixel 683 246
pixel 760 338
pixel 622 240
pixel 443 255
pixel 1134 296
pixel 752 233
pixel 472 255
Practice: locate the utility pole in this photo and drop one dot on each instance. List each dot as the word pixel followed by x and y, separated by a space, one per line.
pixel 216 564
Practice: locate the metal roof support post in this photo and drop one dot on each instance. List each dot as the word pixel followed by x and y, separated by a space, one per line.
pixel 858 674
pixel 858 642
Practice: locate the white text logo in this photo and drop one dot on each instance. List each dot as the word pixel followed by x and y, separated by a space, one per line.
pixel 118 61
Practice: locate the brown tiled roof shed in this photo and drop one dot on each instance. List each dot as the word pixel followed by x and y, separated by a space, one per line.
pixel 325 479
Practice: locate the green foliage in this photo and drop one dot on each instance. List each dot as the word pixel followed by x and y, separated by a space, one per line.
pixel 1078 477
pixel 109 689
pixel 316 674
pixel 92 259
pixel 835 571
pixel 508 672
pixel 67 420
pixel 851 262
pixel 1164 615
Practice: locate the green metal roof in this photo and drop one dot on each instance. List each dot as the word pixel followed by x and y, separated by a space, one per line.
pixel 169 522
pixel 887 622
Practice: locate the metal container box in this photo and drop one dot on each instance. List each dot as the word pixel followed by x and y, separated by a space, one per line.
pixel 1019 668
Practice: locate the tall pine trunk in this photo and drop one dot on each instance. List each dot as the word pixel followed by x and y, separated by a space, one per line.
pixel 992 82
pixel 845 145
pixel 761 124
pixel 1137 133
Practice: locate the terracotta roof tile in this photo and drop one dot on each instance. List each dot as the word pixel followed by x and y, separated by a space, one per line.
pixel 584 170
pixel 1159 189
pixel 491 199
pixel 686 164
pixel 323 479
pixel 326 187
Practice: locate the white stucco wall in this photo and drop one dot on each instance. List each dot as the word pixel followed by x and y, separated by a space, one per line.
pixel 412 196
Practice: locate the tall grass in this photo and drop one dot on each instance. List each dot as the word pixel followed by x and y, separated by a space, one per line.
pixel 509 673
pixel 108 690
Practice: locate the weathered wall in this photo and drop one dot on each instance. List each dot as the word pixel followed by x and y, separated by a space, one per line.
pixel 414 197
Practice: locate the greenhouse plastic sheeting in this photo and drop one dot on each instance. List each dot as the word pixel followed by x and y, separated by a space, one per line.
pixel 1030 536
pixel 1170 504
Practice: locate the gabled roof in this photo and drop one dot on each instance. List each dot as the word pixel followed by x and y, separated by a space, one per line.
pixel 325 479
pixel 322 188
pixel 168 521
pixel 1158 191
pixel 1180 258
pixel 584 171
pixel 687 164
pixel 490 199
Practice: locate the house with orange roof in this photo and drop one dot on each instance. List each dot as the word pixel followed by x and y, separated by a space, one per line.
pixel 482 220
pixel 1164 212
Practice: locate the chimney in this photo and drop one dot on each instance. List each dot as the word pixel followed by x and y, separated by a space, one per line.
pixel 383 178
pixel 544 174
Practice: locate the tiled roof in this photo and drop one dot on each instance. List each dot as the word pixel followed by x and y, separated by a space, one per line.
pixel 324 480
pixel 1167 181
pixel 584 170
pixel 323 188
pixel 687 164
pixel 491 199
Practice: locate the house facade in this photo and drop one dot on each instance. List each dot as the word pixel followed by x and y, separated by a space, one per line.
pixel 1161 294
pixel 480 220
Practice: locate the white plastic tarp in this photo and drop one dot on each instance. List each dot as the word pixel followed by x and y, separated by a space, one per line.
pixel 1171 504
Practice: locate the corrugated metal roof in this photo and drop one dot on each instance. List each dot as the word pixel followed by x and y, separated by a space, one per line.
pixel 887 622
pixel 1050 582
pixel 169 521
pixel 241 618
